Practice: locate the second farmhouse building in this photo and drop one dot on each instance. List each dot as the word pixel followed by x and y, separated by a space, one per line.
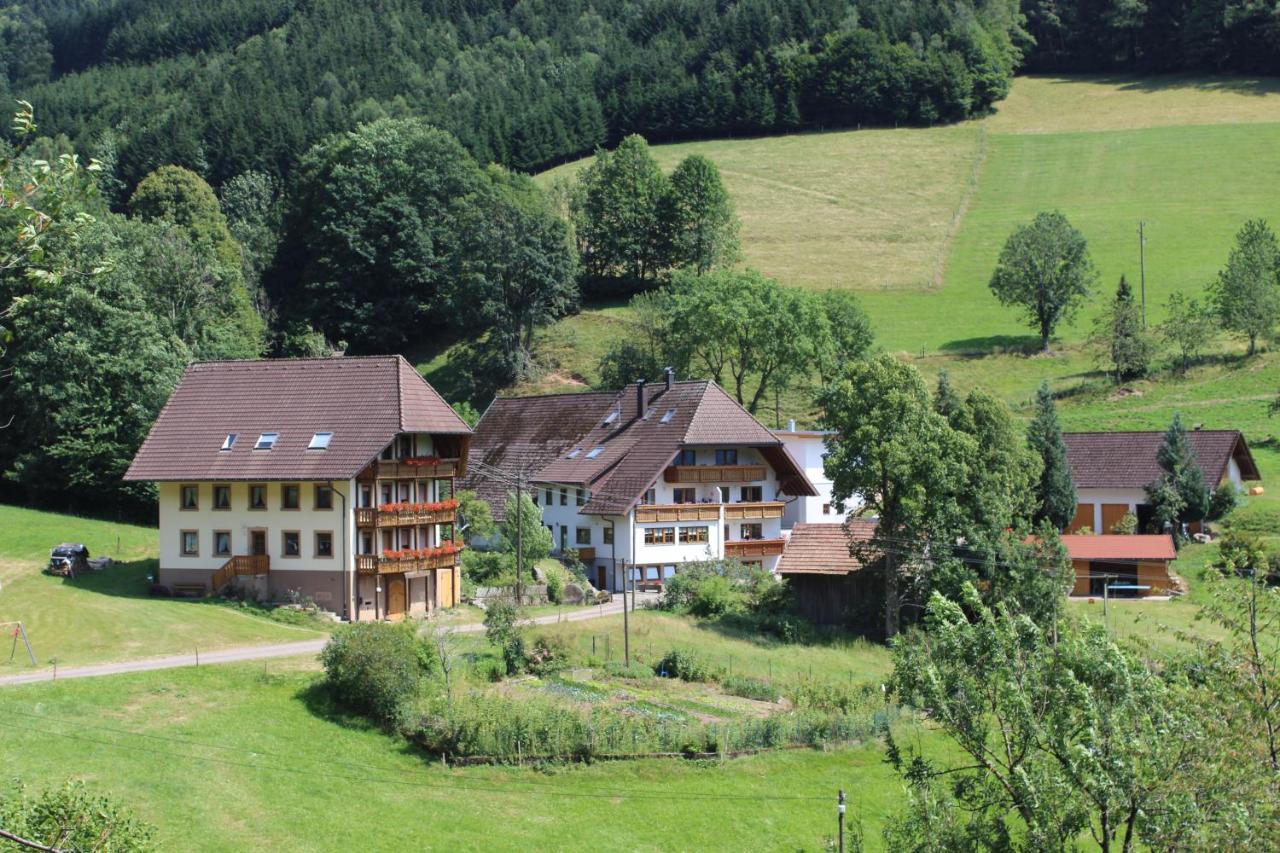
pixel 641 480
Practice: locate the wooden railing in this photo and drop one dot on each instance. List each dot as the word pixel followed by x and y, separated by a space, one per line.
pixel 373 564
pixel 367 516
pixel 709 512
pixel 754 548
pixel 761 509
pixel 244 564
pixel 678 512
pixel 714 473
pixel 396 469
pixel 586 554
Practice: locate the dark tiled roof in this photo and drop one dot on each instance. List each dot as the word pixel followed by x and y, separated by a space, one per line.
pixel 364 402
pixel 635 446
pixel 823 549
pixel 1114 546
pixel 1127 460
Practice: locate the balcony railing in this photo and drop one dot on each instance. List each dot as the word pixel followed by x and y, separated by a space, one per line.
pixel 376 564
pixel 709 512
pixel 714 473
pixel 760 509
pixel 678 512
pixel 422 467
pixel 383 517
pixel 754 548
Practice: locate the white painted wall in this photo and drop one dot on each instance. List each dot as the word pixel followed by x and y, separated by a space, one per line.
pixel 239 520
pixel 808 449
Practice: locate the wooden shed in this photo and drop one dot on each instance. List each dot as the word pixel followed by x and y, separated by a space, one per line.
pixel 829 585
pixel 1139 565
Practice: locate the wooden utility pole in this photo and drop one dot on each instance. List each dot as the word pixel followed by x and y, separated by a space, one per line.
pixel 840 818
pixel 1142 267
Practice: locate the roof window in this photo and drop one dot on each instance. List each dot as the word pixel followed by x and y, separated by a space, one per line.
pixel 649 412
pixel 573 454
pixel 266 441
pixel 613 416
pixel 320 441
pixel 229 442
pixel 594 452
pixel 666 418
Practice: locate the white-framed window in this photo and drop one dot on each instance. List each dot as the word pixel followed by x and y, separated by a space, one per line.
pixel 266 441
pixel 320 441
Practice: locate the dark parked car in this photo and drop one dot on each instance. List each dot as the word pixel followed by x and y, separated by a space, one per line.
pixel 68 560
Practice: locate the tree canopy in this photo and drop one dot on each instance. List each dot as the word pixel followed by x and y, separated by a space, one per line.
pixel 1044 269
pixel 1246 293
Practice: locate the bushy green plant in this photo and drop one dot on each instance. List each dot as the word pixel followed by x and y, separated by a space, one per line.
pixel 831 698
pixel 555 587
pixel 1126 526
pixel 750 688
pixel 501 628
pixel 374 667
pixel 488 568
pixel 549 654
pixel 710 588
pixel 1222 502
pixel 685 665
pixel 72 818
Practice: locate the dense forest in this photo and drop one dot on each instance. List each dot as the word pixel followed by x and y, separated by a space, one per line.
pixel 225 86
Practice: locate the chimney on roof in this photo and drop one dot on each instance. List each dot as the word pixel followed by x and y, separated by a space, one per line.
pixel 791 425
pixel 671 376
pixel 639 398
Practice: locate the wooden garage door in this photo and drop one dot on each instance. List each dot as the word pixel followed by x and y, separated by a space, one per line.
pixel 1084 518
pixel 1111 515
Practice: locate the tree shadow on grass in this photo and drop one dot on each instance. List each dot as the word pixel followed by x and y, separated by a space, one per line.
pixel 1239 85
pixel 745 629
pixel 992 345
pixel 122 579
pixel 320 703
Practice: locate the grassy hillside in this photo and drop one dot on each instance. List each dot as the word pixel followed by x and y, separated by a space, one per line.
pixel 107 615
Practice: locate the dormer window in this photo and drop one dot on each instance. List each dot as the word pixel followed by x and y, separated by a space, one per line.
pixel 266 441
pixel 229 442
pixel 320 441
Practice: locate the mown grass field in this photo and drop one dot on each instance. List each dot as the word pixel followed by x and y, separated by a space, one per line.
pixel 253 757
pixel 107 615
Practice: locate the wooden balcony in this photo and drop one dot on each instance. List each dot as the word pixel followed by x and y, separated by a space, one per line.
pixel 678 512
pixel 372 564
pixel 715 473
pixel 371 517
pixel 399 469
pixel 749 548
pixel 747 511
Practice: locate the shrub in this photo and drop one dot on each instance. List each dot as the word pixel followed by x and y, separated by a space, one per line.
pixel 710 588
pixel 549 654
pixel 374 667
pixel 685 665
pixel 1126 526
pixel 829 698
pixel 555 587
pixel 749 688
pixel 1222 501
pixel 73 818
pixel 500 628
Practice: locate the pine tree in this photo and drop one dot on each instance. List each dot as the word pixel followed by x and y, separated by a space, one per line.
pixel 1180 494
pixel 947 402
pixel 1056 492
pixel 1121 333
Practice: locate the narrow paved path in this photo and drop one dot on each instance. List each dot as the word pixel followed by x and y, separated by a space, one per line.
pixel 275 650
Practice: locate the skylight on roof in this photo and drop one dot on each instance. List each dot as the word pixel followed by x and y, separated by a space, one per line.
pixel 573 454
pixel 613 416
pixel 320 441
pixel 666 418
pixel 229 442
pixel 266 441
pixel 649 412
pixel 594 452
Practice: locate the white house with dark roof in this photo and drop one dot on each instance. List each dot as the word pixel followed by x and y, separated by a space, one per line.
pixel 643 479
pixel 329 479
pixel 1112 469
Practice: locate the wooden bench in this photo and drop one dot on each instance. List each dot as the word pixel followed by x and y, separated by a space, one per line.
pixel 190 590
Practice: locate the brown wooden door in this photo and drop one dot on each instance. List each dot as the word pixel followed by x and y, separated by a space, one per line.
pixel 395 597
pixel 257 542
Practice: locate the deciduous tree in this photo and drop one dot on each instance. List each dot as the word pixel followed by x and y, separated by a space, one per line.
pixel 1187 328
pixel 1246 293
pixel 1044 269
pixel 706 230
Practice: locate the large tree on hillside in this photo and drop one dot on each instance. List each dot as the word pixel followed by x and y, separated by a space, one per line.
pixel 625 221
pixel 374 232
pixel 706 230
pixel 1044 269
pixel 747 332
pixel 892 450
pixel 1246 293
pixel 1055 493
